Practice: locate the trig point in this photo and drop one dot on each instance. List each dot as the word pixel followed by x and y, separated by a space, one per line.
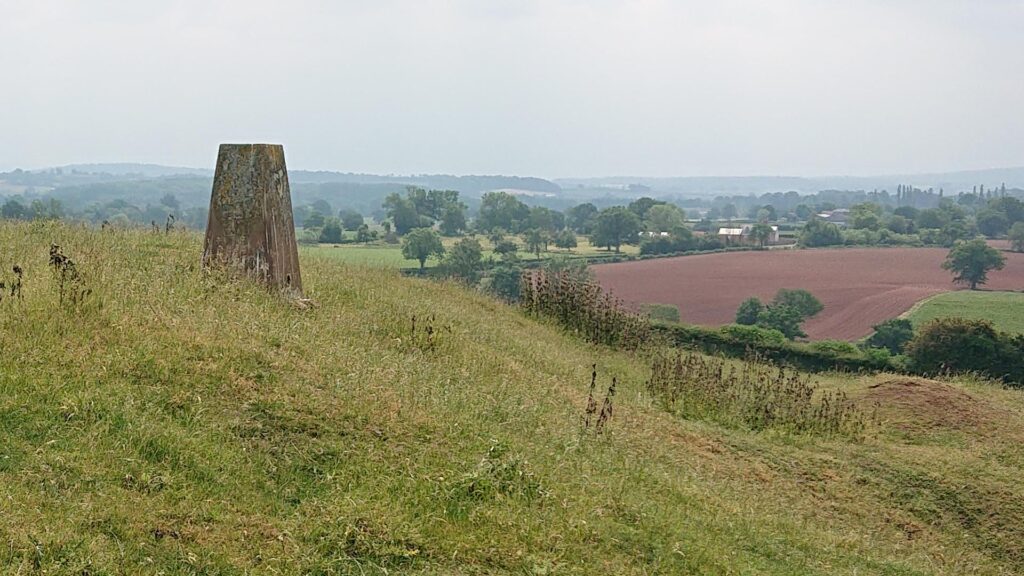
pixel 250 225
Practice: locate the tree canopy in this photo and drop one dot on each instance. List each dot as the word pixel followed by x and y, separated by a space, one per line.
pixel 615 226
pixel 420 244
pixel 970 261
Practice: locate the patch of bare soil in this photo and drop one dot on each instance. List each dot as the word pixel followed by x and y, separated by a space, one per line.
pixel 920 405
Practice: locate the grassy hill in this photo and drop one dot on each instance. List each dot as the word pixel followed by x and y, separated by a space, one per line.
pixel 1004 309
pixel 176 422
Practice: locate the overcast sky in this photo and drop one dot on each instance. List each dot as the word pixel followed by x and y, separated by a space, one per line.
pixel 546 87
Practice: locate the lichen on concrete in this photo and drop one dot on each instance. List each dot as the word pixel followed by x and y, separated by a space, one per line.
pixel 250 226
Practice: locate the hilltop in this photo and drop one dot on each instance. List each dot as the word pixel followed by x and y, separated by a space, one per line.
pixel 167 420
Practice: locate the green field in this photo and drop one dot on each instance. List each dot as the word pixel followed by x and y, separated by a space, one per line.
pixel 178 421
pixel 1004 309
pixel 390 255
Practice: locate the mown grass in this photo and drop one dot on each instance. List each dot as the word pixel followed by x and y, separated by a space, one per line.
pixel 1004 309
pixel 180 422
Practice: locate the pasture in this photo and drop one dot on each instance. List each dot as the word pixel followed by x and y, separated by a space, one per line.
pixel 175 421
pixel 859 287
pixel 390 255
pixel 1004 309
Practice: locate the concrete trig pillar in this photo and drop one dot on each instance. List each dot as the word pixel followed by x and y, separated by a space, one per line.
pixel 250 225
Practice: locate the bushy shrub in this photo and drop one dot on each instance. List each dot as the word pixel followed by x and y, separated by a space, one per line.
pixel 753 335
pixel 820 233
pixel 749 311
pixel 784 318
pixel 882 356
pixel 838 347
pixel 503 282
pixel 800 300
pixel 950 345
pixel 741 341
pixel 892 335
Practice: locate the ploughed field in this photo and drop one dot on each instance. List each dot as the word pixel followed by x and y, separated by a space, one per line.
pixel 859 287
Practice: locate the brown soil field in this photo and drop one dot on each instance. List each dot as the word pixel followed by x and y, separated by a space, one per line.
pixel 859 287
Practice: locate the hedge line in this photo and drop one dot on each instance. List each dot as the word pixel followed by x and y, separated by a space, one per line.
pixel 714 341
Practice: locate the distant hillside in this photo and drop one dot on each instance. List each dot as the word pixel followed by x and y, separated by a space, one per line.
pixel 79 185
pixel 471 184
pixel 730 185
pixel 172 421
pixel 135 170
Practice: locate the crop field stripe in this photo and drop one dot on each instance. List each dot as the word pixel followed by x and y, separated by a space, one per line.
pixel 860 287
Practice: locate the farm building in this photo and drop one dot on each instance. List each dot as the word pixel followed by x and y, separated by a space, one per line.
pixel 839 216
pixel 742 235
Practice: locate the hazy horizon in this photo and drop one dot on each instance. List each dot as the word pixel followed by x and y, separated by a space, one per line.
pixel 555 89
pixel 292 168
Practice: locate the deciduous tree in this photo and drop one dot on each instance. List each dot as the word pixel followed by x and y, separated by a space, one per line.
pixel 420 244
pixel 970 261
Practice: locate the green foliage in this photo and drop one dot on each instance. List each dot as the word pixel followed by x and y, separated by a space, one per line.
pixel 402 212
pixel 581 218
pixel 800 300
pixel 420 244
pixel 883 237
pixel 754 336
pixel 502 210
pixel 892 335
pixel 351 219
pixel 866 216
pixel 817 233
pixel 453 219
pixel 314 220
pixel 506 249
pixel 331 232
pixel 749 311
pixel 546 220
pixel 970 261
pixel 661 312
pixel 1016 237
pixel 1010 207
pixel 992 223
pixel 761 233
pixel 958 345
pixel 503 281
pixel 534 241
pixel 680 239
pixel 837 347
pixel 363 234
pixel 899 224
pixel 740 341
pixel 421 208
pixel 641 205
pixel 464 260
pixel 615 226
pixel 784 318
pixel 566 240
pixel 664 218
pixel 14 210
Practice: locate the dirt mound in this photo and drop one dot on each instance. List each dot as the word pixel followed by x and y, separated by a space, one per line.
pixel 920 405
